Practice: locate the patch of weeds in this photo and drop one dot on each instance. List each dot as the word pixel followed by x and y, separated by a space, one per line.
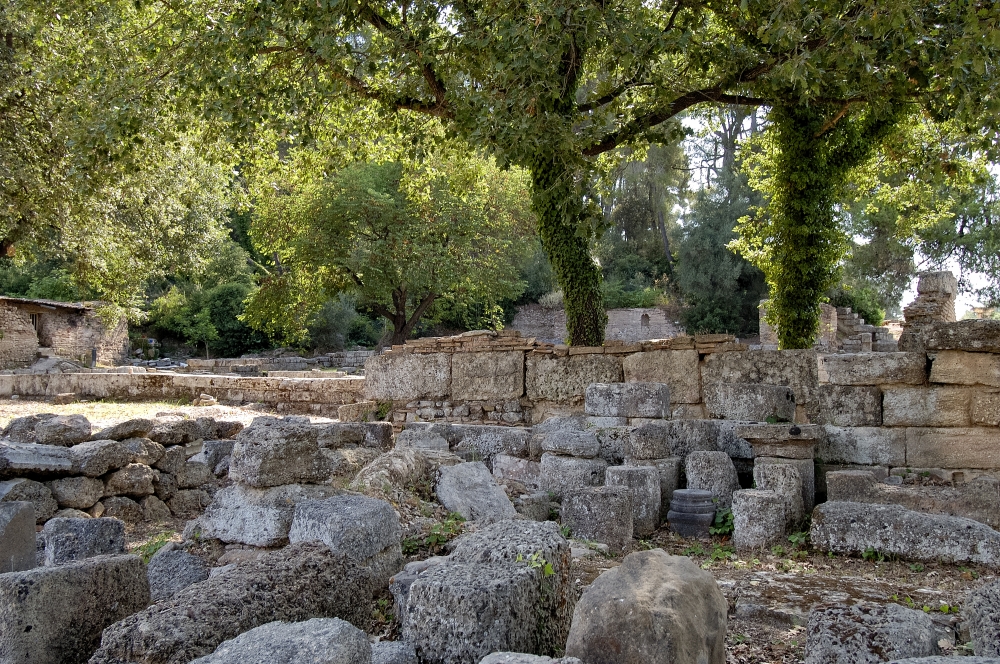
pixel 565 531
pixel 440 534
pixel 646 545
pixel 383 410
pixel 968 574
pixel 723 524
pixel 695 549
pixel 916 567
pixel 382 612
pixel 799 540
pixel 778 550
pixel 148 549
pixel 536 561
pixel 873 555
pixel 740 638
pixel 410 545
pixel 720 552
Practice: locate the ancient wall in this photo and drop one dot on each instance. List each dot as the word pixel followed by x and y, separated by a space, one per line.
pixel 18 339
pixel 70 331
pixel 534 320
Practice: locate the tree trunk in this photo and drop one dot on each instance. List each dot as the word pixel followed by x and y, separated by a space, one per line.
pixel 558 203
pixel 401 326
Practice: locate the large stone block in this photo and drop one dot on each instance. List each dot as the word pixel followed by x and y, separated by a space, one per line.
pixel 750 402
pixel 649 400
pixel 644 484
pixel 953 448
pixel 562 473
pixel 565 379
pixel 868 633
pixel 258 517
pixel 600 513
pixel 758 519
pixel 493 376
pixel 171 571
pixel 849 406
pixel 269 463
pixel 982 614
pixel 68 540
pixel 96 457
pixel 985 409
pixel 652 608
pixel 797 369
pixel 712 471
pixel 669 472
pixel 317 641
pixel 407 376
pixel 961 368
pixel 134 480
pixel 522 658
pixel 355 525
pixel 134 428
pixel 807 472
pixel 525 471
pixel 677 368
pixel 55 615
pixel 36 493
pixel 18 459
pixel 614 442
pixel 469 489
pixel 978 335
pixel 874 369
pixel 853 528
pixel 660 440
pixel 927 406
pixel 63 430
pixel 489 441
pixel 862 445
pixel 583 444
pixel 22 429
pixel 17 536
pixel 783 479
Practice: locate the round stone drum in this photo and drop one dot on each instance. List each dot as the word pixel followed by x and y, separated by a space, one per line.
pixel 691 513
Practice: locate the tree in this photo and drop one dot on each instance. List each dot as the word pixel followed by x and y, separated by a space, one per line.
pixel 400 235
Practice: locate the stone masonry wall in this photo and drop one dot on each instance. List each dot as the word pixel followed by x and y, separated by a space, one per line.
pixel 18 339
pixel 73 335
pixel 534 320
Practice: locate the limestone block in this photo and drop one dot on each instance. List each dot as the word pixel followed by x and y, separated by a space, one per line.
pixel 562 473
pixel 849 406
pixel 182 432
pixel 189 502
pixel 525 471
pixel 421 439
pixel 853 528
pixel 258 517
pixel 120 507
pixel 318 641
pixel 644 484
pixel 981 611
pixel 214 451
pixel 868 633
pixel 614 442
pixel 807 472
pixel 154 510
pixel 797 369
pixel 393 652
pixel 953 448
pixel 469 489
pixel 758 519
pixel 134 480
pixel 978 335
pixel 565 379
pixel 69 540
pixel 143 450
pixel 97 457
pixel 63 430
pixel 985 409
pixel 173 460
pixel 134 428
pixel 784 480
pixel 962 368
pixel 602 514
pixel 164 485
pixel 926 406
pixel 270 463
pixel 652 608
pixel 712 471
pixel 522 658
pixel 583 444
pixel 669 471
pixel 750 402
pixel 874 368
pixel 30 459
pixel 36 493
pixel 17 536
pixel 647 400
pixel 673 438
pixel 677 368
pixel 490 376
pixel 862 445
pixel 490 441
pixel 22 429
pixel 406 376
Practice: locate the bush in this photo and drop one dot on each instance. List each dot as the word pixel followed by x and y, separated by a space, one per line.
pixel 225 305
pixel 862 301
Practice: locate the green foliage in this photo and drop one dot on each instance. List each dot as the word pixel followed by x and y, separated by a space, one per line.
pixel 537 561
pixel 148 549
pixel 337 325
pixel 723 524
pixel 863 301
pixel 799 540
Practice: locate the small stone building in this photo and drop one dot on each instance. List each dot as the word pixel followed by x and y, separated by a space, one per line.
pixel 60 329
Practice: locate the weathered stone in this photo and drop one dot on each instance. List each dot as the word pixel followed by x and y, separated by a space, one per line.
pixel 797 369
pixel 862 445
pixel 524 471
pixel 70 513
pixel 173 460
pixel 614 442
pixel 926 406
pixel 807 473
pixel 134 480
pixel 602 514
pixel 650 400
pixel 854 528
pixel 214 451
pixel 758 519
pixel 562 473
pixel 565 379
pixel 644 484
pixel 867 632
pixel 189 502
pixel 536 506
pixel 271 463
pixel 946 659
pixel 63 430
pixel 874 368
pixel 97 457
pixel 678 369
pixel 487 376
pixel 226 429
pixel 669 472
pixel 294 584
pixel 408 376
pixel 420 439
pixel 985 409
pixel 977 447
pixel 22 429
pixel 747 401
pixel 317 641
pixel 849 406
pixel 68 540
pixel 521 658
pixel 36 493
pixel 981 611
pixel 393 652
pixel 961 368
pixel 715 472
pixel 581 444
pixel 18 459
pixel 390 473
pixel 660 440
pixel 120 507
pixel 182 432
pixel 469 489
pixel 135 428
pixel 652 608
pixel 17 536
pixel 490 441
pixel 55 615
pixel 144 450
pixel 164 485
pixel 194 474
pixel 977 335
pixel 784 480
pixel 399 584
pixel 258 517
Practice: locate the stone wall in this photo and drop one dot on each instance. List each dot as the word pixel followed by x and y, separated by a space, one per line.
pixel 534 320
pixel 70 331
pixel 18 339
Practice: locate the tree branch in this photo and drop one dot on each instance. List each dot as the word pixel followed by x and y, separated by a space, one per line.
pixel 419 311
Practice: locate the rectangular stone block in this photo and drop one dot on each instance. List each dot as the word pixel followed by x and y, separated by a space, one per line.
pixel 849 406
pixel 979 335
pixel 862 445
pixel 750 402
pixel 17 459
pixel 874 368
pixel 650 400
pixel 673 438
pixel 490 441
pixel 926 406
pixel 527 472
pixel 822 469
pixel 565 379
pixel 17 536
pixel 985 409
pixel 678 369
pixel 669 470
pixel 406 376
pixel 972 447
pixel 961 368
pixel 797 369
pixel 487 376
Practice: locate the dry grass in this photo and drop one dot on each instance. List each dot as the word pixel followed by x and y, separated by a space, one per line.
pixel 106 413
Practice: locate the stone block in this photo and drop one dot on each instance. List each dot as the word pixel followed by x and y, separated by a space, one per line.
pixel 173 460
pixel 644 484
pixel 184 431
pixel 489 441
pixel 55 615
pixel 669 472
pixel 758 519
pixel 134 428
pixel 851 486
pixel 68 540
pixel 318 641
pixel 189 502
pixel 565 379
pixel 602 514
pixel 985 409
pixel 978 336
pixel 36 493
pixel 535 506
pixel 614 442
pixel 17 536
pixel 421 439
pixel 271 463
pixel 712 471
pixel 678 369
pixel 797 369
pixel 582 444
pixel 849 406
pixel 257 517
pixel 874 368
pixel 807 471
pixel 214 451
pixel 17 459
pixel 22 429
pixel 745 401
pixel 407 376
pixel 981 611
pixel 194 474
pixel 648 400
pixel 154 510
pixel 862 445
pixel 562 473
pixel 134 480
pixel 393 652
pixel 144 450
pixel 977 447
pixel 853 528
pixel 65 430
pixel 469 489
pixel 784 480
pixel 522 658
pixel 120 507
pixel 868 632
pixel 926 406
pixel 673 438
pixel 957 367
pixel 525 471
pixel 96 457
pixel 491 376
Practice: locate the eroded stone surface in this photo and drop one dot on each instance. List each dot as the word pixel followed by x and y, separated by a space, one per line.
pixel 317 641
pixel 868 633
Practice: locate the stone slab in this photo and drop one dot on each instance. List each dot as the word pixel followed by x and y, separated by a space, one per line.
pixel 257 517
pixel 974 447
pixel 957 367
pixel 677 368
pixel 565 379
pixel 874 368
pixel 493 376
pixel 648 400
pixel 980 335
pixel 749 401
pixel 927 406
pixel 407 376
pixel 849 406
pixel 862 445
pixel 17 537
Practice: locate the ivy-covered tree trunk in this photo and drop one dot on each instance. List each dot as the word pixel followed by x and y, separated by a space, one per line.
pixel 559 206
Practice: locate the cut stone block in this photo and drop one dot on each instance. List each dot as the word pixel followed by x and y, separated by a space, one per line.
pixel 868 633
pixel 408 376
pixel 981 611
pixel 677 368
pixel 849 406
pixel 469 489
pixel 870 446
pixel 978 336
pixel 421 439
pixel 985 409
pixel 644 484
pixel 715 472
pixel 494 376
pixel 797 369
pixel 628 400
pixel 525 471
pixel 257 517
pixel 961 368
pixel 36 493
pixel 271 463
pixel 134 480
pixel 62 430
pixel 97 457
pixel 583 444
pixel 55 615
pixel 17 536
pixel 22 429
pixel 522 658
pixel 614 442
pixel 602 514
pixel 18 459
pixel 144 450
pixel 874 368
pixel 807 472
pixel 751 402
pixel 173 460
pixel 758 519
pixel 68 540
pixel 559 473
pixel 565 379
pixel 926 406
pixel 672 438
pixel 669 471
pixel 490 441
pixel 120 507
pixel 784 480
pixel 317 641
pixel 134 428
pixel 194 474
pixel 977 447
